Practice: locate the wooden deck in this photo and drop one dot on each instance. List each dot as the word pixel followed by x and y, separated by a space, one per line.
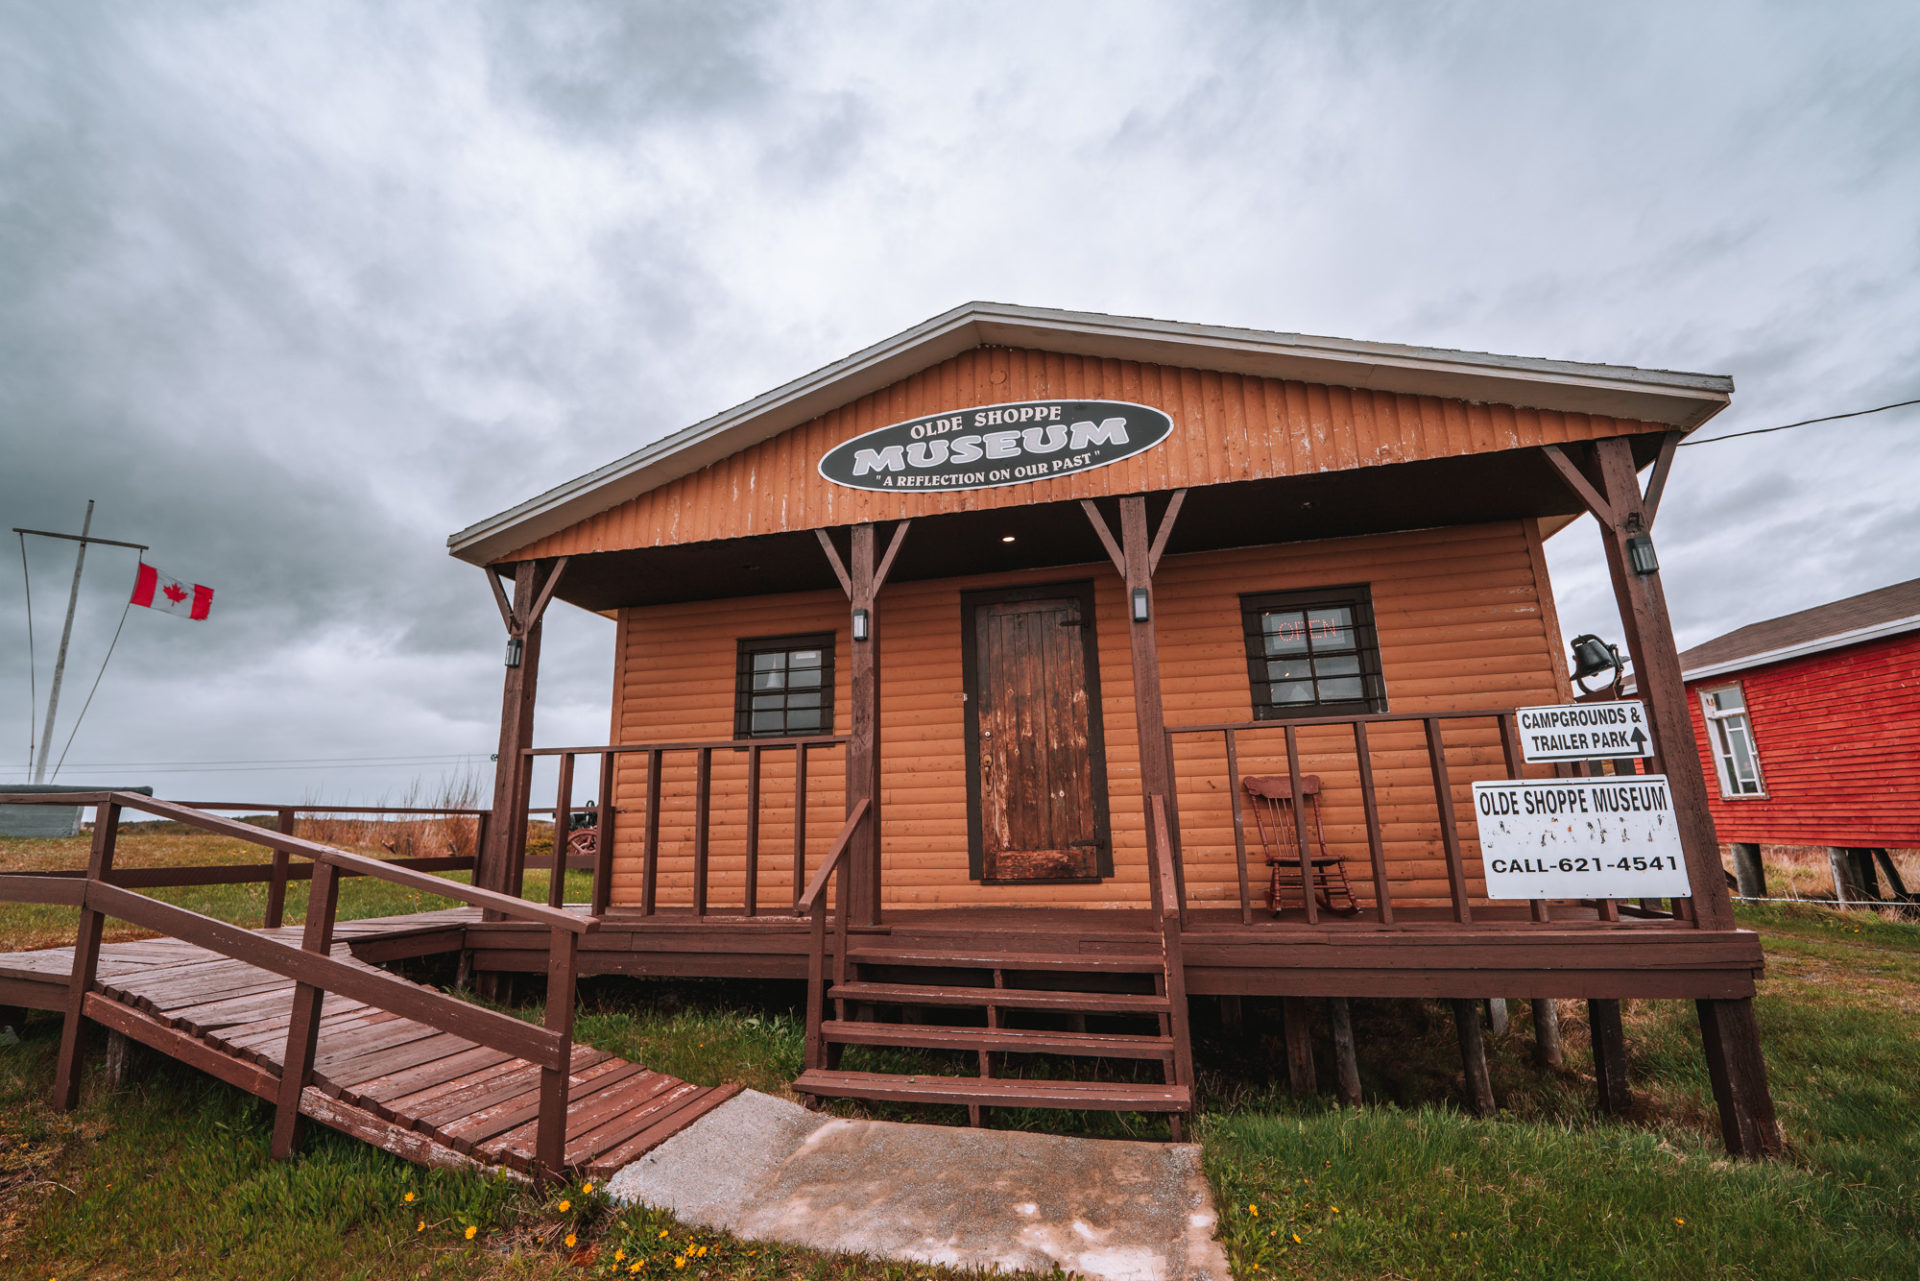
pixel 426 1095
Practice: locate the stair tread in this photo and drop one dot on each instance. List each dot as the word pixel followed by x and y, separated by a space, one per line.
pixel 1016 1040
pixel 994 1090
pixel 1007 997
pixel 1073 961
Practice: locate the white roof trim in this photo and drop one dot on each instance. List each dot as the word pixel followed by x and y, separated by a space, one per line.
pixel 1680 400
pixel 1839 640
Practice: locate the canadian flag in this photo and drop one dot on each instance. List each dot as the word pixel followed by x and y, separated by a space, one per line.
pixel 156 591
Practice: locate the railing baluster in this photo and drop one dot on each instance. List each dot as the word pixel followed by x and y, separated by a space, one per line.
pixel 277 888
pixel 1449 831
pixel 650 875
pixel 517 839
pixel 303 1029
pixel 603 843
pixel 1239 829
pixel 799 823
pixel 1300 828
pixel 1370 804
pixel 550 1138
pixel 1517 768
pixel 753 829
pixel 702 807
pixel 86 957
pixel 562 833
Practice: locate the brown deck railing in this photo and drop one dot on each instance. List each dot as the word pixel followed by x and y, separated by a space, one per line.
pixel 104 890
pixel 813 906
pixel 1359 760
pixel 658 757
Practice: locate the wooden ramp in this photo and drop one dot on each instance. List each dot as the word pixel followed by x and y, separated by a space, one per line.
pixel 427 1095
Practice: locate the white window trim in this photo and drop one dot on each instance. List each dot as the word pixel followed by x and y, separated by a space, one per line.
pixel 1717 732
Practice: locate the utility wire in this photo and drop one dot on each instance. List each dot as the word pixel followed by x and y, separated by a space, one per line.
pixel 33 690
pixel 1805 422
pixel 90 692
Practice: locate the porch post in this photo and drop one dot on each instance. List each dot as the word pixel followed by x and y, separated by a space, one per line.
pixel 506 829
pixel 1656 664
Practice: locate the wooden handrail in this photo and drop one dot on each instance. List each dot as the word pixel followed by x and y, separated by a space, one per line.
pixel 818 885
pixel 1163 861
pixel 358 864
pixel 1368 718
pixel 712 744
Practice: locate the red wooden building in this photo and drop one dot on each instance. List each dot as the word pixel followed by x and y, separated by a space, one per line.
pixel 1809 725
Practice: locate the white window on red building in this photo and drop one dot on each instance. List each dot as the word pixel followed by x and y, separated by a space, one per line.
pixel 1735 757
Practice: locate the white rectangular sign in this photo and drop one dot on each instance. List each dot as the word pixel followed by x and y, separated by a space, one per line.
pixel 1580 838
pixel 1584 731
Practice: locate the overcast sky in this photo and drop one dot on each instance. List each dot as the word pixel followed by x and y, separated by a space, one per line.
pixel 295 290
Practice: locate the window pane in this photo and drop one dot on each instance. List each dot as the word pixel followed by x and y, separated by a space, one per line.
pixel 804 678
pixel 1345 689
pixel 1292 692
pixel 772 661
pixel 765 702
pixel 804 658
pixel 803 719
pixel 811 699
pixel 1297 670
pixel 1331 627
pixel 769 680
pixel 1285 633
pixel 768 722
pixel 1337 665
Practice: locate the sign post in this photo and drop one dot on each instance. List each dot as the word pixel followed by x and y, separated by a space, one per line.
pixel 1584 732
pixel 1580 838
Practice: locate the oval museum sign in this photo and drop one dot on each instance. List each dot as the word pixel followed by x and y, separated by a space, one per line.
pixel 996 445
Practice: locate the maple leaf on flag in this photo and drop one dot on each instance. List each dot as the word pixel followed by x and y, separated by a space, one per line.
pixel 175 592
pixel 169 595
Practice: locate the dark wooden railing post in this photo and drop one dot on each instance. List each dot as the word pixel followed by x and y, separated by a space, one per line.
pixel 550 1140
pixel 702 828
pixel 1239 829
pixel 1516 768
pixel 1302 841
pixel 813 904
pixel 86 957
pixel 303 1030
pixel 650 859
pixel 799 823
pixel 1449 829
pixel 1370 804
pixel 562 837
pixel 603 843
pixel 277 887
pixel 753 830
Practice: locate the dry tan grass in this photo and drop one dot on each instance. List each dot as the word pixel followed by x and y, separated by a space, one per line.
pixel 1804 872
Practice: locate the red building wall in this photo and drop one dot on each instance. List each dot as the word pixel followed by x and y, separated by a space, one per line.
pixel 1839 741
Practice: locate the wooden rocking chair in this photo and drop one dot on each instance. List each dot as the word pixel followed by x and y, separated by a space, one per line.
pixel 1272 798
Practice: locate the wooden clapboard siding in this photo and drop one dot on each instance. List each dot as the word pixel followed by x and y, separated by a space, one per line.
pixel 1227 427
pixel 1462 623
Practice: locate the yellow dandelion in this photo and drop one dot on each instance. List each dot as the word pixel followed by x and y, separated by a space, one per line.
pixel 470 1231
pixel 420 1226
pixel 408 1198
pixel 637 1264
pixel 1681 1222
pixel 702 1252
pixel 1254 1210
pixel 586 1189
pixel 1336 1209
pixel 572 1240
pixel 1296 1238
pixel 618 1255
pixel 663 1232
pixel 565 1206
pixel 680 1261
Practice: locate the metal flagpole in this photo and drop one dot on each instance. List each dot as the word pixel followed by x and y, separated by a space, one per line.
pixel 60 663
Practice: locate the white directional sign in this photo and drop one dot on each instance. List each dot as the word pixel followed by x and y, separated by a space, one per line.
pixel 1584 731
pixel 1580 838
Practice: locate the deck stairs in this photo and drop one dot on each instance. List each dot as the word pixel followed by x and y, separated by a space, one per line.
pixel 1026 1028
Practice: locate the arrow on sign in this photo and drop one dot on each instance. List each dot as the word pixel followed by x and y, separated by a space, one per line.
pixel 1639 741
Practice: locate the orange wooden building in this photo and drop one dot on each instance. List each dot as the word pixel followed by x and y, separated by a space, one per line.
pixel 941 674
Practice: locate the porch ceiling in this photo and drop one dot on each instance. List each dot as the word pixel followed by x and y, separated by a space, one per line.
pixel 1447 491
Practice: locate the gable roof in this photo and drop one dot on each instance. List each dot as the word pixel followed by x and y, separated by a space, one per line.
pixel 1680 400
pixel 1885 611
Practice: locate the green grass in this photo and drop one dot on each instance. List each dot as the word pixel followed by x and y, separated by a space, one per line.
pixel 170 1176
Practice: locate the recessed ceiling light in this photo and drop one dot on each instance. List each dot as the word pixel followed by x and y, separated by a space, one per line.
pixel 1006 538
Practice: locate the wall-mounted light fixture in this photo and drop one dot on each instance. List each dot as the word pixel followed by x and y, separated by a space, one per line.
pixel 859 624
pixel 513 651
pixel 1006 538
pixel 1139 604
pixel 1640 555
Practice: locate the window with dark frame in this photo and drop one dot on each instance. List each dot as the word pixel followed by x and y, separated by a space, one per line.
pixel 1312 653
pixel 783 687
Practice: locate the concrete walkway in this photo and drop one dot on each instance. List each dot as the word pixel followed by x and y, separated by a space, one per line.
pixel 765 1169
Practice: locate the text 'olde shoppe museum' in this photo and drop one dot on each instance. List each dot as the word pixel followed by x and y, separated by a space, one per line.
pixel 1023 676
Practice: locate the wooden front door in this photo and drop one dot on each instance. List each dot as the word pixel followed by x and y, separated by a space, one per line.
pixel 1036 766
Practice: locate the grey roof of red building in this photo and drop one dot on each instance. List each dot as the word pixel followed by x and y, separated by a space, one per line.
pixel 1885 611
